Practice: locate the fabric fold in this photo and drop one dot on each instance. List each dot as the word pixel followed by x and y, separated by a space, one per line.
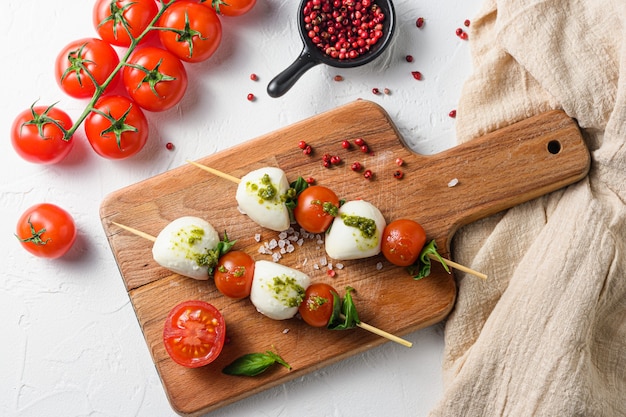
pixel 546 334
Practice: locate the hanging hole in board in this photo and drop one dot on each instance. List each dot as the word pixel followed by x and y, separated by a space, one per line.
pixel 554 147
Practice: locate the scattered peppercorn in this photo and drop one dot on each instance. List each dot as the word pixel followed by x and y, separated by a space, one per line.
pixel 338 78
pixel 368 174
pixel 417 75
pixel 302 144
pixel 310 180
pixel 386 91
pixel 359 142
pixel 467 22
pixel 345 144
pixel 254 77
pixel 307 150
pixel 356 166
pixel 169 146
pixel 409 58
pixel 452 114
pixel 375 90
pixel 335 160
pixel 398 175
pixel 250 97
pixel 419 22
pixel 365 148
pixel 399 162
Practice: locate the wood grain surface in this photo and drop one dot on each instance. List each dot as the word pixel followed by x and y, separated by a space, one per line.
pixel 494 172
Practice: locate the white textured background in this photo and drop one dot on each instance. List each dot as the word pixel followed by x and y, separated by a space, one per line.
pixel 70 344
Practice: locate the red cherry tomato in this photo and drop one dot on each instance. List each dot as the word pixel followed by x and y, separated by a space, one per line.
pixel 233 274
pixel 402 242
pixel 197 31
pixel 36 135
pixel 46 230
pixel 81 63
pixel 155 79
pixel 316 308
pixel 232 7
pixel 115 20
pixel 116 128
pixel 316 208
pixel 194 333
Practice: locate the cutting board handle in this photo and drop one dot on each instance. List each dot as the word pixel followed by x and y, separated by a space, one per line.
pixel 504 168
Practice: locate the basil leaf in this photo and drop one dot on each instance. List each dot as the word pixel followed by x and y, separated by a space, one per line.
pixel 253 364
pixel 335 318
pixel 291 197
pixel 422 267
pixel 212 256
pixel 348 318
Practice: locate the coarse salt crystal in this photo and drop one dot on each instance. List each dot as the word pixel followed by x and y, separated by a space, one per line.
pixel 285 331
pixel 257 237
pixel 379 266
pixel 339 266
pixel 453 182
pixel 276 257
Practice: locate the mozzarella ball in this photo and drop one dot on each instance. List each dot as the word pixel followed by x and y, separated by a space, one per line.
pixel 277 290
pixel 356 232
pixel 182 244
pixel 260 195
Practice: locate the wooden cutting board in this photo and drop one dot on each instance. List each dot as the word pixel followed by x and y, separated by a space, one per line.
pixel 494 172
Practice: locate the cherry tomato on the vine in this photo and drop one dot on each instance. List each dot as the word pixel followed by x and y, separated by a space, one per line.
pixel 233 274
pixel 316 208
pixel 194 333
pixel 114 20
pixel 117 127
pixel 402 242
pixel 317 306
pixel 154 78
pixel 190 30
pixel 231 7
pixel 38 136
pixel 83 62
pixel 46 230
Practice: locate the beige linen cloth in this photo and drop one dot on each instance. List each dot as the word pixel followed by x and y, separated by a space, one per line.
pixel 545 335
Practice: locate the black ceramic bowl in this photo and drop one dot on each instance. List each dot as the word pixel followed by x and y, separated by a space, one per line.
pixel 311 55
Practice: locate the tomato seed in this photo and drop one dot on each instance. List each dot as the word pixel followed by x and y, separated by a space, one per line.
pixel 417 75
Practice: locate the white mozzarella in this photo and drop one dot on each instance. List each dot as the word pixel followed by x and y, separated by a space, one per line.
pixel 277 290
pixel 182 244
pixel 344 241
pixel 268 211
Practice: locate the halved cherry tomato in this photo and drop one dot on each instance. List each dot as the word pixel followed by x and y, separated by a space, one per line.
pixel 114 20
pixel 233 274
pixel 402 242
pixel 316 208
pixel 190 30
pixel 116 128
pixel 155 79
pixel 232 7
pixel 46 230
pixel 317 307
pixel 37 135
pixel 194 333
pixel 83 62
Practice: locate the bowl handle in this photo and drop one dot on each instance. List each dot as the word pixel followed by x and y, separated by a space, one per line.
pixel 286 79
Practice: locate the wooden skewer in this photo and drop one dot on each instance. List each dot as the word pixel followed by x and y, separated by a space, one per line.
pixel 216 172
pixel 434 258
pixel 362 325
pixel 459 267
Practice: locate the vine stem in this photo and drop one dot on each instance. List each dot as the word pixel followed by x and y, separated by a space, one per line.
pixel 100 88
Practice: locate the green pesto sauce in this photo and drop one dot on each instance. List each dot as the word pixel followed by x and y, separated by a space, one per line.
pixel 283 288
pixel 365 225
pixel 186 239
pixel 195 235
pixel 266 191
